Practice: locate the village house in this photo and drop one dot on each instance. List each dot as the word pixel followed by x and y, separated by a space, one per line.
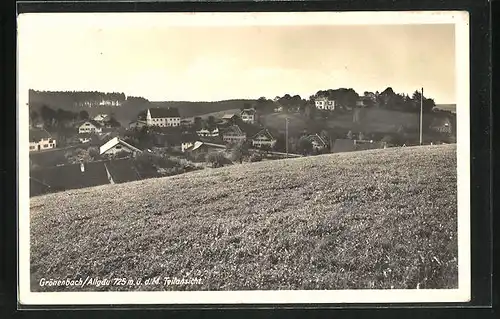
pixel 163 117
pixel 248 115
pixel 117 145
pixel 207 132
pixel 40 140
pixel 229 118
pixel 200 147
pixel 317 142
pixel 233 134
pixel 84 138
pixel 102 119
pixel 263 139
pixel 90 126
pixel 323 103
pixel 74 176
pixel 441 125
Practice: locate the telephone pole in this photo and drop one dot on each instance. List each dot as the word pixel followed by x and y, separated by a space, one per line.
pixel 286 135
pixel 421 113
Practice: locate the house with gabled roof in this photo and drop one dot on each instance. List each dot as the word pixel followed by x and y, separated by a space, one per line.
pixel 117 145
pixel 441 125
pixel 229 118
pixel 324 103
pixel 317 142
pixel 263 139
pixel 163 117
pixel 206 132
pixel 233 134
pixel 90 126
pixel 40 140
pixel 248 115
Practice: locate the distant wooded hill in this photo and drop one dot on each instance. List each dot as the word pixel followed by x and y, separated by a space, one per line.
pixel 123 108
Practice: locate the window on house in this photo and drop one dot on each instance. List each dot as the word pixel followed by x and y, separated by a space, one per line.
pixel 118 147
pixel 32 147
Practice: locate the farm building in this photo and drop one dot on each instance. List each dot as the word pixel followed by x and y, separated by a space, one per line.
pixel 263 139
pixel 117 145
pixel 233 134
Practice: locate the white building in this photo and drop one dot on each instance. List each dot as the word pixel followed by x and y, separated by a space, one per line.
pixel 163 117
pixel 323 103
pixel 248 115
pixel 211 133
pixel 90 126
pixel 41 140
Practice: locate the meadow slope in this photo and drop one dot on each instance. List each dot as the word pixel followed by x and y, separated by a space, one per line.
pixel 370 219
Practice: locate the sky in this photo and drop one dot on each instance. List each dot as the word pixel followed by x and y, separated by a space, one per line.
pixel 210 62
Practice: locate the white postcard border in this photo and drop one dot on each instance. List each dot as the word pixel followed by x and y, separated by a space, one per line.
pixel 461 21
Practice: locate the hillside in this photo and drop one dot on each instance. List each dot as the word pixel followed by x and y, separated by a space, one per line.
pixel 371 219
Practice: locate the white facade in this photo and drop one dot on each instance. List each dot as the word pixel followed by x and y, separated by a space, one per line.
pixel 162 121
pixel 205 132
pixel 324 104
pixel 89 127
pixel 248 116
pixel 43 144
pixel 115 146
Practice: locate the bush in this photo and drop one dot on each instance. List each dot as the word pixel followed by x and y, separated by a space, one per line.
pixel 216 159
pixel 255 158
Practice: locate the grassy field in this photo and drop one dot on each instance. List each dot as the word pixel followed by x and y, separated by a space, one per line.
pixel 370 219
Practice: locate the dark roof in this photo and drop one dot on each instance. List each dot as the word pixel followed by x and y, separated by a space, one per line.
pixel 85 135
pixel 159 112
pixel 235 129
pixel 343 145
pixel 265 132
pixel 37 134
pixel 95 123
pixel 123 170
pixel 316 138
pixel 211 139
pixel 248 111
pixel 66 177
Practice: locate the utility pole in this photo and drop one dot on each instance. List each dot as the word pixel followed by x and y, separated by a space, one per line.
pixel 286 135
pixel 421 113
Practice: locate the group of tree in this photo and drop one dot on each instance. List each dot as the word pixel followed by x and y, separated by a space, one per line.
pixel 77 98
pixel 56 119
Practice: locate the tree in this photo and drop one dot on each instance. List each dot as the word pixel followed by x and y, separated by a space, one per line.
pixel 216 159
pixel 239 151
pixel 33 117
pixel 197 123
pixel 83 115
pixel 48 115
pixel 305 146
pixel 113 122
pixel 211 122
pixel 350 135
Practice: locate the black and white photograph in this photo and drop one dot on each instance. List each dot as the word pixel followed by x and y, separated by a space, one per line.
pixel 244 157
